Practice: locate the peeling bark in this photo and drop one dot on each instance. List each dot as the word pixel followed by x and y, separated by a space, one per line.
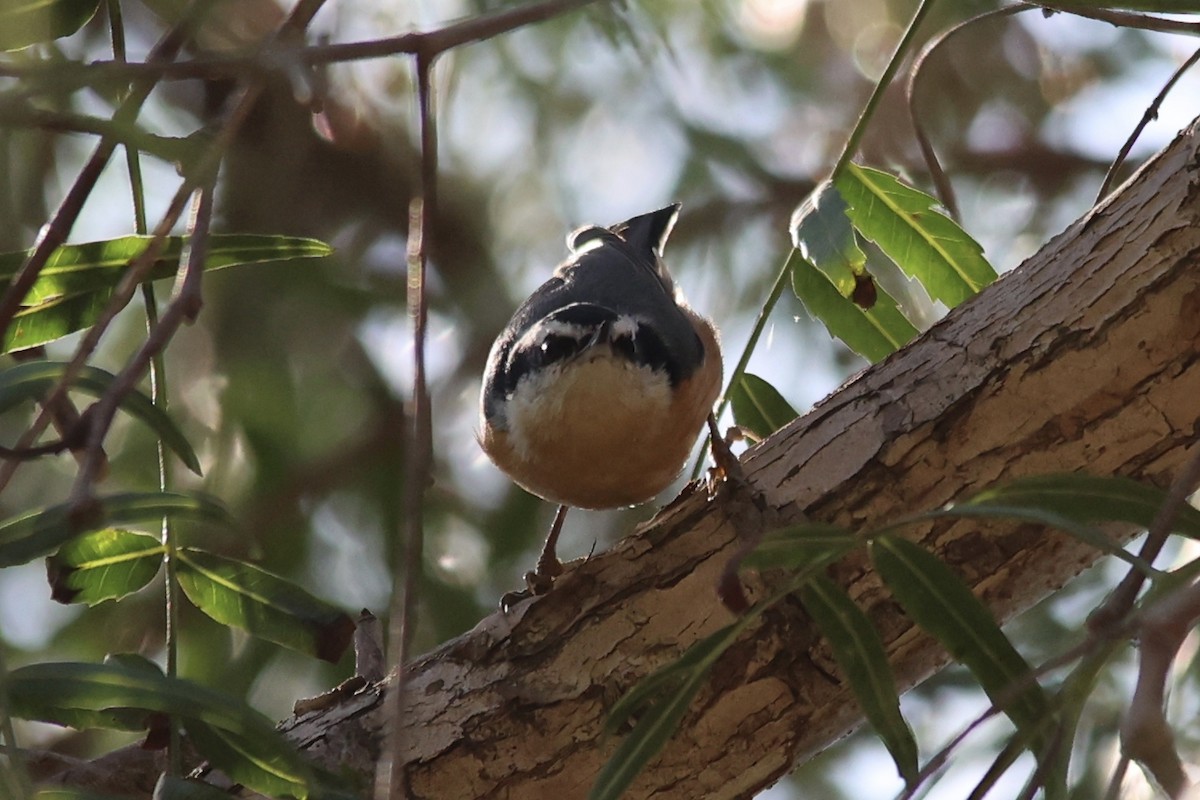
pixel 1084 358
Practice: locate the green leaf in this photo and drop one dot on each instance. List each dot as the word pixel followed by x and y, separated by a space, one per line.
pixel 26 22
pixel 926 244
pixel 52 320
pixel 103 565
pixel 75 284
pixel 759 407
pixel 861 656
pixel 1085 533
pixel 261 758
pixel 822 233
pixel 42 531
pixel 264 604
pixel 33 380
pixel 659 701
pixel 1088 499
pixel 801 546
pixel 874 333
pixel 939 602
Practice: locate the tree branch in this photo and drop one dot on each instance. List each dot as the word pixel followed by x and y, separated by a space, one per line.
pixel 1084 358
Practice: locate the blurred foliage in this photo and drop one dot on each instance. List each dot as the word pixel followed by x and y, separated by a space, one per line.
pixel 291 384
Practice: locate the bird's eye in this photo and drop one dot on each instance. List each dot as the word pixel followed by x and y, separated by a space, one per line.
pixel 556 348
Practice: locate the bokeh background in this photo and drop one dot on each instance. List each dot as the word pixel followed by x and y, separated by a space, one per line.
pixel 291 383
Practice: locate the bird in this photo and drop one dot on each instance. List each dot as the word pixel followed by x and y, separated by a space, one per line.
pixel 597 388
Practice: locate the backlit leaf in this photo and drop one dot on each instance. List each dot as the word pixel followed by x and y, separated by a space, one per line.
pixel 26 22
pixel 266 605
pixel 925 243
pixel 103 565
pixel 243 742
pixel 874 333
pixel 33 380
pixel 42 531
pixel 75 283
pixel 759 407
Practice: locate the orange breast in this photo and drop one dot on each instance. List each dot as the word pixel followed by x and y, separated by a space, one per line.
pixel 601 432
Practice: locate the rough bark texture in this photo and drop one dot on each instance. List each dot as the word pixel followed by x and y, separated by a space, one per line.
pixel 1084 358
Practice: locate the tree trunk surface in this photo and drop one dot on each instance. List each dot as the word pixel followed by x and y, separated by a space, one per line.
pixel 1082 359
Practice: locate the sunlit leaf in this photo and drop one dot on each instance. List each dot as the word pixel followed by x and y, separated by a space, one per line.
pixel 759 407
pixel 925 243
pixel 26 22
pixel 874 333
pixel 266 605
pixel 860 654
pixel 74 285
pixel 34 379
pixel 42 531
pixel 103 565
pixel 942 605
pixel 823 235
pixel 260 757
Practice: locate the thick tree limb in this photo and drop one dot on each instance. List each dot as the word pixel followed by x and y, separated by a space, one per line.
pixel 1084 358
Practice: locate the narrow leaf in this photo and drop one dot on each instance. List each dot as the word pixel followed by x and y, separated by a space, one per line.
pixel 33 380
pixel 860 654
pixel 874 333
pixel 103 565
pixel 245 761
pixel 759 407
pixel 26 22
pixel 42 531
pixel 659 702
pixel 74 285
pixel 264 604
pixel 1089 499
pixel 938 601
pixel 925 243
pixel 1081 531
pixel 801 546
pixel 262 759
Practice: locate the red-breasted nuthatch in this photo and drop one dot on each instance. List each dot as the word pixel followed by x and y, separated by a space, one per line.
pixel 596 389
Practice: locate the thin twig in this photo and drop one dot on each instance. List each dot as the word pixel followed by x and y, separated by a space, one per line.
pixel 56 230
pixel 885 80
pixel 390 782
pixel 1125 19
pixel 1118 604
pixel 1146 736
pixel 941 182
pixel 265 61
pixel 199 175
pixel 1150 114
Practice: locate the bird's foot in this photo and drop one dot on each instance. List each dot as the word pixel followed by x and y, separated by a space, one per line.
pixel 538 582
